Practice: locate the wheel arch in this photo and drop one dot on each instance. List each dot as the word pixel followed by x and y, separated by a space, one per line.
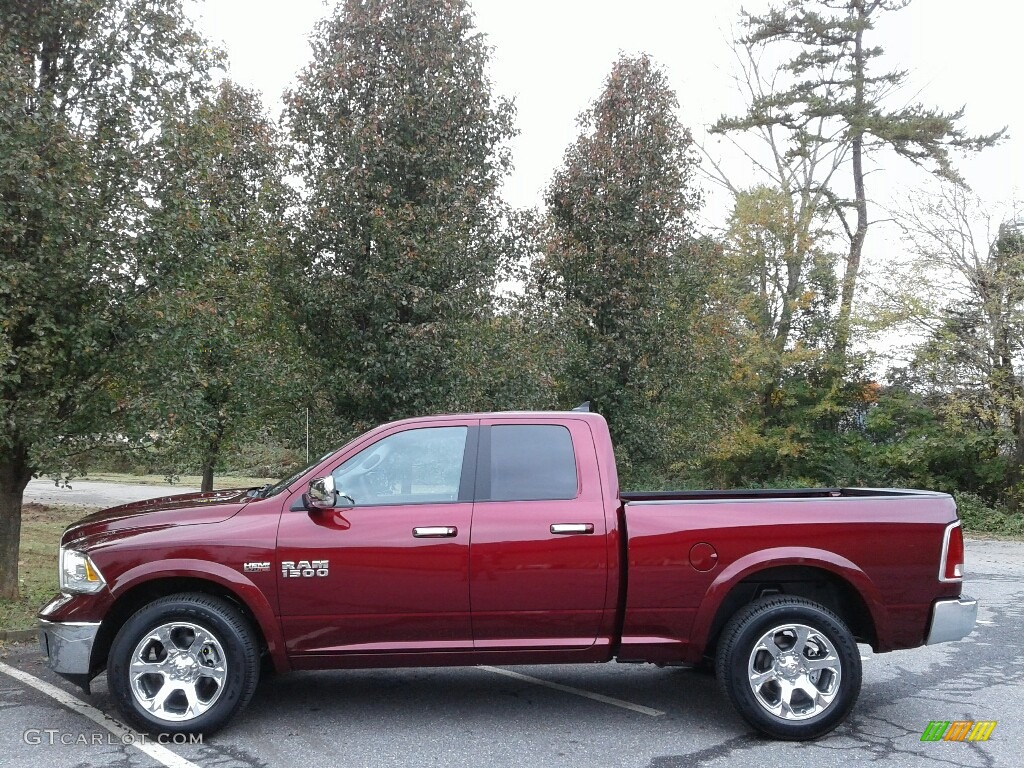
pixel 829 580
pixel 131 594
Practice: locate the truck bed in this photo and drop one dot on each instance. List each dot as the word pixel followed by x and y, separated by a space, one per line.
pixel 881 544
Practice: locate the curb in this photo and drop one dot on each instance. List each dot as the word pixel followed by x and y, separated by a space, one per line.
pixel 18 635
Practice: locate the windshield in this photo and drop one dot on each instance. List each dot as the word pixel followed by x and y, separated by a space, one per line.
pixel 282 484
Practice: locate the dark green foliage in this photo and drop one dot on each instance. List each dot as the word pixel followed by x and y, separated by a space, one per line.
pixel 513 358
pixel 805 432
pixel 980 516
pixel 83 84
pixel 400 150
pixel 910 445
pixel 615 264
pixel 211 365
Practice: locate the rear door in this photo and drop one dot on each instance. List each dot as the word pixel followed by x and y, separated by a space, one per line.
pixel 539 548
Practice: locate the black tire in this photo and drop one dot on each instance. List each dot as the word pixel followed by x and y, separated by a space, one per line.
pixel 833 674
pixel 222 681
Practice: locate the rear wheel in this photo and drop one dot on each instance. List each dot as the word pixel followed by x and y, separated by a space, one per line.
pixel 183 664
pixel 790 667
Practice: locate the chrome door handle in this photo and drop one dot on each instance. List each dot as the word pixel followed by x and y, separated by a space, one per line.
pixel 572 528
pixel 435 532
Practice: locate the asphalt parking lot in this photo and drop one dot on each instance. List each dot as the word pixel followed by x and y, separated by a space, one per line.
pixel 600 715
pixel 92 493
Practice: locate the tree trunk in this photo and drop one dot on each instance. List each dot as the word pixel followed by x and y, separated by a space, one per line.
pixel 14 476
pixel 842 340
pixel 212 453
pixel 207 485
pixel 1010 389
pixel 1015 463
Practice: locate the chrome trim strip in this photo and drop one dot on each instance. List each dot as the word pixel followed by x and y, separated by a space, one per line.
pixel 69 623
pixel 787 499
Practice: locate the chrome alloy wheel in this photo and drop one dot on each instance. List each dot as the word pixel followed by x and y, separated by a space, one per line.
pixel 794 671
pixel 178 671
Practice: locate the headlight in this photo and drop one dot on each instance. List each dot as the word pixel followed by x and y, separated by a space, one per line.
pixel 78 573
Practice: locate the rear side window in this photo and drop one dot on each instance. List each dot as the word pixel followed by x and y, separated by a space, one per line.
pixel 532 462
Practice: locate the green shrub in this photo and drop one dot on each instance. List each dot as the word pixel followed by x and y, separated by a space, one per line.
pixel 980 517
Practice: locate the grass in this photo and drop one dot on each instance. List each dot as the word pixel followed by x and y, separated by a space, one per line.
pixel 222 481
pixel 41 527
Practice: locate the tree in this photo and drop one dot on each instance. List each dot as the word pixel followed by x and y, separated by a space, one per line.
pixel 778 282
pixel 81 86
pixel 778 270
pixel 515 355
pixel 620 232
pixel 834 104
pixel 917 436
pixel 400 147
pixel 962 295
pixel 212 368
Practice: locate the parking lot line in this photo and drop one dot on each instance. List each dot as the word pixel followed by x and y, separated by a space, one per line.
pixel 577 692
pixel 127 736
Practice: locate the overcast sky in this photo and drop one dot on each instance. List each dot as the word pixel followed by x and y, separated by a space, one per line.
pixel 551 56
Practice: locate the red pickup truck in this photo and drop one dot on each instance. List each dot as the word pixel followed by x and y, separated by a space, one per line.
pixel 500 538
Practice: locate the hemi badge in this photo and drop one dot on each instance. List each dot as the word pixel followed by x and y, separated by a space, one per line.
pixel 256 567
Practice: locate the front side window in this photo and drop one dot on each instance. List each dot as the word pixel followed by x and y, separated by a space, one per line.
pixel 417 466
pixel 532 462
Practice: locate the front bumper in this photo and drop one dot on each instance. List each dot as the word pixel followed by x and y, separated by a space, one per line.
pixel 68 646
pixel 952 619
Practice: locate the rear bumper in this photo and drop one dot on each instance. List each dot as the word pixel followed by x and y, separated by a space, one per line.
pixel 952 619
pixel 68 645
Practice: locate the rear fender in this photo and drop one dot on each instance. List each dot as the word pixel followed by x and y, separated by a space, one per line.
pixel 750 564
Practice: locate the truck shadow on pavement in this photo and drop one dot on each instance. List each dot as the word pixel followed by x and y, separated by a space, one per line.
pixel 475 691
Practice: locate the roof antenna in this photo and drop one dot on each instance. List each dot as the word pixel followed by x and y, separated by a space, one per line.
pixel 583 407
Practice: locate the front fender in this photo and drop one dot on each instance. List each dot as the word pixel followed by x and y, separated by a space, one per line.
pixel 232 580
pixel 750 564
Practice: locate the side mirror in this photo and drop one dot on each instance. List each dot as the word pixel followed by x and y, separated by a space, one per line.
pixel 323 495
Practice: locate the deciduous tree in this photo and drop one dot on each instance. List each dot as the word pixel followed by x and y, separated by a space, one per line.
pixel 962 295
pixel 778 282
pixel 82 85
pixel 212 363
pixel 401 148
pixel 620 213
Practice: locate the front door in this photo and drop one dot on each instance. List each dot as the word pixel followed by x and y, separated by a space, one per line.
pixel 390 573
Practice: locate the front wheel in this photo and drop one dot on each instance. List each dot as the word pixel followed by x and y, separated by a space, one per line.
pixel 790 667
pixel 183 664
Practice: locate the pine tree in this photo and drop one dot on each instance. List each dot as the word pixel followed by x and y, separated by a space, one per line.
pixel 834 103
